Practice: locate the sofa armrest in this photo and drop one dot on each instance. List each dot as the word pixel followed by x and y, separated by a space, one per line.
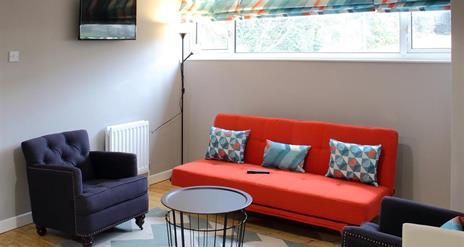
pixel 395 212
pixel 113 165
pixel 354 236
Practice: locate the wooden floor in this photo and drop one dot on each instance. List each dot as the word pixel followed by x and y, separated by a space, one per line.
pixel 296 232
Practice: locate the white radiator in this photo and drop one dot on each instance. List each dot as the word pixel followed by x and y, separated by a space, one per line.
pixel 130 138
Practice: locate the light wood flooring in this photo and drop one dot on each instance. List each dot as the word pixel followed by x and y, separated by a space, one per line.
pixel 279 228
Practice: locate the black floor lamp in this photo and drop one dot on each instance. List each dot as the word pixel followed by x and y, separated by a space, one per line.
pixel 181 103
pixel 184 59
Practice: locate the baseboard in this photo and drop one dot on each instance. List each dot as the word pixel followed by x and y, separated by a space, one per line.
pixel 15 222
pixel 159 177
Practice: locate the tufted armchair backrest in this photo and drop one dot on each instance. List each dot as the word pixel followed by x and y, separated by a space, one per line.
pixel 67 148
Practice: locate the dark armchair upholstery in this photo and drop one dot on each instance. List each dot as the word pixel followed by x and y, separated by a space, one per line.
pixel 394 213
pixel 80 192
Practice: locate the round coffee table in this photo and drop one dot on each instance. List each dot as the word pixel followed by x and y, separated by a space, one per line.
pixel 206 216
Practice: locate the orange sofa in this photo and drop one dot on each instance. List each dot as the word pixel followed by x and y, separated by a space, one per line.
pixel 307 197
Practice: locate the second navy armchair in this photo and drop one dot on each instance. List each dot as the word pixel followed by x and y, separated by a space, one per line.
pixel 394 213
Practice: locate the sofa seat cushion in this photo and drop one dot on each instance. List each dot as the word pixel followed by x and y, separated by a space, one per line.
pixel 99 194
pixel 302 193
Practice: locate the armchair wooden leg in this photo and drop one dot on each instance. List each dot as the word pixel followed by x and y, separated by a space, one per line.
pixel 87 241
pixel 139 220
pixel 41 230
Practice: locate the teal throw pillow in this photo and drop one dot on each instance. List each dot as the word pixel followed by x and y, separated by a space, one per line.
pixel 285 156
pixel 456 223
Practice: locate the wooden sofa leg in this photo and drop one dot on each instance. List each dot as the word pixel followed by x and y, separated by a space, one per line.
pixel 139 220
pixel 87 241
pixel 41 230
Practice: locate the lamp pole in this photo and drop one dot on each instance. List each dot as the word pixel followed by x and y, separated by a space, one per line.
pixel 182 35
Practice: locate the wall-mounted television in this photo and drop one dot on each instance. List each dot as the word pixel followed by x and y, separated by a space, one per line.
pixel 108 20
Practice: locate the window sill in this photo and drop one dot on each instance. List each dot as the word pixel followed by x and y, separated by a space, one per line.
pixel 328 57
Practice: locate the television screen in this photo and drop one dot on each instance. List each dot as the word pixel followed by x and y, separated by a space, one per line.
pixel 108 19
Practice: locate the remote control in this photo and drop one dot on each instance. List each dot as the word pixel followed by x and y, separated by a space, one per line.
pixel 258 172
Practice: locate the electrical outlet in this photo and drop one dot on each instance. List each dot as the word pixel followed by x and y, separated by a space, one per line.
pixel 13 56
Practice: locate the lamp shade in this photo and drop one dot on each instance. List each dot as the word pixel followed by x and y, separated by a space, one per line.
pixel 184 28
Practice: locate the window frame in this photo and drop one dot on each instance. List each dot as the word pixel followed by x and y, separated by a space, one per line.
pixel 406 52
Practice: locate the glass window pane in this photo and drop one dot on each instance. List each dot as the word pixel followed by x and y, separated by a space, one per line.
pixel 354 32
pixel 213 35
pixel 431 30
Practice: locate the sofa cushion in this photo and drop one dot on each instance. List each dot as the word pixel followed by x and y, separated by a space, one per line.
pixel 456 223
pixel 99 194
pixel 354 162
pixel 285 156
pixel 303 193
pixel 227 145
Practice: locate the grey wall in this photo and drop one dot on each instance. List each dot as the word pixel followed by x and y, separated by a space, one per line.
pixel 457 164
pixel 64 84
pixel 414 98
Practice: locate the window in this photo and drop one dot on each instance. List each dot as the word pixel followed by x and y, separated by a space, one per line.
pixel 415 35
pixel 431 30
pixel 362 32
pixel 213 35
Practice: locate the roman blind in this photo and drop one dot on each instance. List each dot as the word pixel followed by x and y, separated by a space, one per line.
pixel 245 9
pixel 411 5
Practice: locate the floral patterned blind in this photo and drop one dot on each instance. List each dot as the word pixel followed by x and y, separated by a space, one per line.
pixel 245 9
pixel 411 5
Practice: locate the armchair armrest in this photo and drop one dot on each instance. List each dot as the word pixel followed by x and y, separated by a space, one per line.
pixel 354 236
pixel 60 179
pixel 113 165
pixel 53 190
pixel 395 212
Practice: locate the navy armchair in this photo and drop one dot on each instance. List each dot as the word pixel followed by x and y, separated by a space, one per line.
pixel 394 213
pixel 80 192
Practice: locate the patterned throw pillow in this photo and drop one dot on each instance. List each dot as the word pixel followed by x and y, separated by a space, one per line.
pixel 456 223
pixel 227 145
pixel 285 156
pixel 354 162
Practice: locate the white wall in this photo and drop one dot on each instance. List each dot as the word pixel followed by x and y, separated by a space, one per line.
pixel 457 165
pixel 64 84
pixel 414 98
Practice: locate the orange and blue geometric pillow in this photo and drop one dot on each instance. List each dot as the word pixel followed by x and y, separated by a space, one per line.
pixel 227 145
pixel 456 223
pixel 354 162
pixel 285 156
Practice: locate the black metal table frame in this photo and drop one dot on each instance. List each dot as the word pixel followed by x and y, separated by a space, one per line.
pixel 237 227
pixel 221 210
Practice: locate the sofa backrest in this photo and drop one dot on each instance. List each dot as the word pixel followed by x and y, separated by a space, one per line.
pixel 316 134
